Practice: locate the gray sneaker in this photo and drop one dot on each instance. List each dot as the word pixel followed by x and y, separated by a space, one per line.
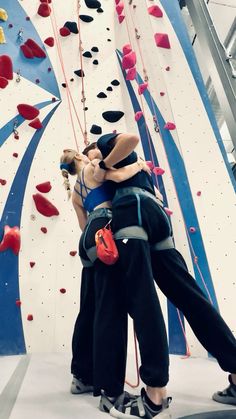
pixel 227 396
pixel 139 409
pixel 107 403
pixel 78 387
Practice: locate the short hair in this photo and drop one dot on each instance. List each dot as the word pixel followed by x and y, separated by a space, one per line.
pixel 91 146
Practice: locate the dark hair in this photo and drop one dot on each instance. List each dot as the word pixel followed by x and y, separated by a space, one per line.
pixel 91 146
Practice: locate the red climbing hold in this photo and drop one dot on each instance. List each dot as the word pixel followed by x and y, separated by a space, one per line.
pixel 162 40
pixel 150 164
pixel 44 206
pixel 169 126
pixel 168 211
pixel 142 88
pixel 199 193
pixel 18 303
pixel 44 187
pixel 44 230
pixel 162 93
pixel 36 124
pixel 62 290
pixel 3 82
pixel 126 49
pixel 73 252
pixel 158 171
pixel 11 239
pixel 37 51
pixel 6 67
pixel 45 1
pixel 138 115
pixel 3 182
pixel 120 7
pixel 27 51
pixel 192 229
pixel 32 264
pixel 121 18
pixel 65 31
pixel 15 155
pixel 49 41
pixel 131 74
pixel 155 11
pixel 27 111
pixel 30 317
pixel 129 60
pixel 44 10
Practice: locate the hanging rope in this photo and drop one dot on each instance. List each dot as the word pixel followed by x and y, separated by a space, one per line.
pixel 83 100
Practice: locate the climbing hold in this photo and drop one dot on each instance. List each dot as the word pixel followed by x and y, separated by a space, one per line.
pixel 36 124
pixel 62 290
pixel 27 111
pixel 3 82
pixel 11 239
pixel 64 31
pixel 44 187
pixel 72 26
pixel 37 81
pixel 126 49
pixel 99 10
pixel 131 74
pixel 168 211
pixel 150 164
pixel 142 88
pixel 95 129
pixel 45 1
pixel 195 259
pixel 162 93
pixel 199 193
pixel 87 54
pixel 79 73
pixel 158 171
pixel 44 9
pixel 3 182
pixel 120 7
pixel 162 40
pixel 6 67
pixel 32 264
pixel 18 303
pixel 64 85
pixel 86 18
pixel 44 230
pixel 92 4
pixel 44 206
pixel 15 155
pixel 167 68
pixel 112 116
pixel 115 82
pixel 155 11
pixel 2 36
pixel 169 126
pixel 109 89
pixel 35 48
pixel 95 49
pixel 3 15
pixel 95 62
pixel 27 18
pixel 192 229
pixel 129 60
pixel 138 115
pixel 73 252
pixel 101 95
pixel 49 41
pixel 120 18
pixel 30 317
pixel 27 51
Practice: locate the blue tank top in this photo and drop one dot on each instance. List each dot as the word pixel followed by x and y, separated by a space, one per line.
pixel 95 196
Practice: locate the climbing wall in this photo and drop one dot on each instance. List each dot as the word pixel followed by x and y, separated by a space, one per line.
pixel 83 68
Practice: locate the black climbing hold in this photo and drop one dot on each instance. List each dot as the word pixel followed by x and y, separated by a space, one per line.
pixel 112 116
pixel 95 129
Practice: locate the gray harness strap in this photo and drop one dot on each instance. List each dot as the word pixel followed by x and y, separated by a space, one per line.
pixel 92 253
pixel 165 244
pixel 132 232
pixel 86 263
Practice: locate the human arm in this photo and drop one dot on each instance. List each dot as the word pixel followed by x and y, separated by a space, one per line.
pixel 124 144
pixel 124 173
pixel 81 213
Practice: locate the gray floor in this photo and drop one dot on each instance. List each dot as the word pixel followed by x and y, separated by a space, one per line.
pixel 37 387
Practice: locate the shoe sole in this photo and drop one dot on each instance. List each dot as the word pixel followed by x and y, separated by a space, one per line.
pixel 224 399
pixel 116 414
pixel 76 391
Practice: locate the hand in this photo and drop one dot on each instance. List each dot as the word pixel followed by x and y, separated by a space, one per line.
pixel 98 174
pixel 144 166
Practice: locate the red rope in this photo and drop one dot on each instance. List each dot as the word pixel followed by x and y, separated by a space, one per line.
pixel 82 71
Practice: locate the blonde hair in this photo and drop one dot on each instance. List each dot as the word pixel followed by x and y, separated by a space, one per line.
pixel 68 158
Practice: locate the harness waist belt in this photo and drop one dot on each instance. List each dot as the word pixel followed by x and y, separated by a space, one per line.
pixel 165 244
pixel 86 263
pixel 132 232
pixel 92 253
pixel 120 193
pixel 100 212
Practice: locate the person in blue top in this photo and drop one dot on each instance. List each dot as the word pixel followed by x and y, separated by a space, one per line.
pixel 144 241
pixel 99 283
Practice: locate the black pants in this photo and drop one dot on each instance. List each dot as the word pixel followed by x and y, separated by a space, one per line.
pixel 99 340
pixel 171 275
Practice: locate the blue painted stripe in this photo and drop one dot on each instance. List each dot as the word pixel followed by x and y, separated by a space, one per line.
pixel 11 330
pixel 7 129
pixel 177 344
pixel 31 69
pixel 173 12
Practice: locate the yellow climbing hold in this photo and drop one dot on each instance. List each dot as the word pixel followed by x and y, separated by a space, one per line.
pixel 2 36
pixel 3 15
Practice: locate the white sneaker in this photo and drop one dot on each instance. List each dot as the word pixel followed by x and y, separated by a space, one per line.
pixel 78 387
